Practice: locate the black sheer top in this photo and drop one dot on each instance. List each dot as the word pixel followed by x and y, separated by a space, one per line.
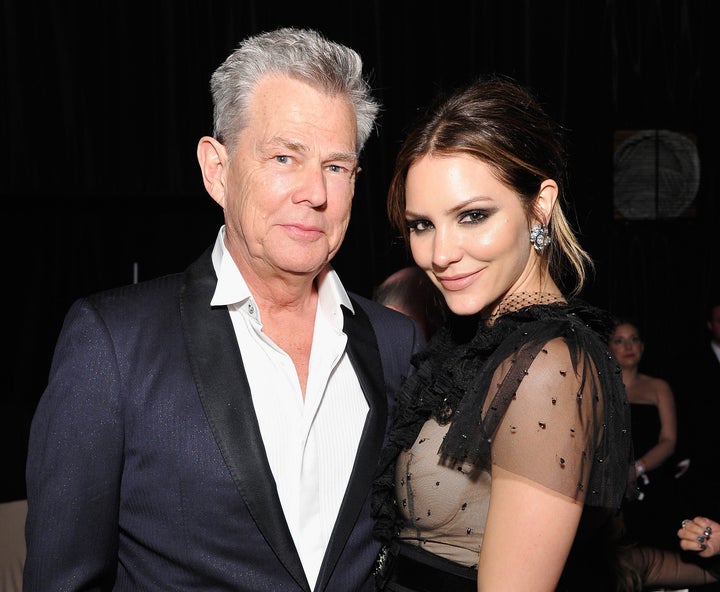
pixel 534 390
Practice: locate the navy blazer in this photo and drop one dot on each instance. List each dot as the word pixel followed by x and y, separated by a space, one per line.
pixel 146 469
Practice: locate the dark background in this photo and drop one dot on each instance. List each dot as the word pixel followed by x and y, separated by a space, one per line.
pixel 102 105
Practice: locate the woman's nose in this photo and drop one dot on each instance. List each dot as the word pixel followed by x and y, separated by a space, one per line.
pixel 446 249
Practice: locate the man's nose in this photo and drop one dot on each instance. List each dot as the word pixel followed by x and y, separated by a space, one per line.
pixel 312 187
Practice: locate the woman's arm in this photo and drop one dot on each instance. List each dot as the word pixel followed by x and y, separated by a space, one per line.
pixel 539 472
pixel 667 438
pixel 528 535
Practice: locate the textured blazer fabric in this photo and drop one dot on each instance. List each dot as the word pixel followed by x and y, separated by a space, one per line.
pixel 146 469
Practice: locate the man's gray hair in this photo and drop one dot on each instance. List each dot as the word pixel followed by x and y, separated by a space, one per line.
pixel 303 54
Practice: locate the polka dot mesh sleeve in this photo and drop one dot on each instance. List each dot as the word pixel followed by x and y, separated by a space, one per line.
pixel 554 410
pixel 553 422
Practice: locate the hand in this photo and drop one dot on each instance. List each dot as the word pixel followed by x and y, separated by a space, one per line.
pixel 701 535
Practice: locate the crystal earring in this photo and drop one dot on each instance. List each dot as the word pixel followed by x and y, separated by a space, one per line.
pixel 539 237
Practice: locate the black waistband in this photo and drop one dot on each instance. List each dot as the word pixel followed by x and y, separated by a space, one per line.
pixel 417 570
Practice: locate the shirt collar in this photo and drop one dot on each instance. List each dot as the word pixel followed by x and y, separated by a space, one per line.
pixel 231 288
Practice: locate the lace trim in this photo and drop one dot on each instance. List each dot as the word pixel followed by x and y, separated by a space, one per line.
pixel 518 300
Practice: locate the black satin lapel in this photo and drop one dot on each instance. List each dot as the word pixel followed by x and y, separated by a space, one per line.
pixel 225 394
pixel 365 357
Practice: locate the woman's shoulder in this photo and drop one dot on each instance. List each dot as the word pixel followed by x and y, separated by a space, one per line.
pixel 653 388
pixel 579 325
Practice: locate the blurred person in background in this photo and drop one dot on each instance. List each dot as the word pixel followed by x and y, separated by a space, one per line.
pixel 409 290
pixel 654 433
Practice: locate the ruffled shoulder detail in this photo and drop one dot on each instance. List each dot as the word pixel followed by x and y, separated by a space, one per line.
pixel 452 381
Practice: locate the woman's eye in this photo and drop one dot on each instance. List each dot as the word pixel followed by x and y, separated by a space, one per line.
pixel 418 225
pixel 472 217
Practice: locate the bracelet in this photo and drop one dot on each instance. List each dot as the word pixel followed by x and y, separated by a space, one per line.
pixel 639 468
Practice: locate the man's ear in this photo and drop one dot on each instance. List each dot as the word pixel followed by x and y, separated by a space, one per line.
pixel 212 157
pixel 546 200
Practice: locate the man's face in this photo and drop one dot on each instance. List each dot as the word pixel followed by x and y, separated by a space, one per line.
pixel 291 179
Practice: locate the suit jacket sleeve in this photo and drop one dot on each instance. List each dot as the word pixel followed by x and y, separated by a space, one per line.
pixel 76 444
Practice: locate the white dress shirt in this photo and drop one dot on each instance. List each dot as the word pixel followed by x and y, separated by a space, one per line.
pixel 716 349
pixel 311 444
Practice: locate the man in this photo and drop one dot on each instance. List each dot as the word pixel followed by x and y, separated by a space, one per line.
pixel 219 429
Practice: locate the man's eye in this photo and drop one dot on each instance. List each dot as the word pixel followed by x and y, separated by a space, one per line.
pixel 282 159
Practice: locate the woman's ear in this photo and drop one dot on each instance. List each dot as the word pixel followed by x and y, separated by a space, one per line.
pixel 212 157
pixel 546 199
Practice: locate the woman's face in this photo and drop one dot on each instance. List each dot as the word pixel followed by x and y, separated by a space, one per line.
pixel 626 345
pixel 469 232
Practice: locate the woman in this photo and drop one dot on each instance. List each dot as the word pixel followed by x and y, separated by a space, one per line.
pixel 654 433
pixel 511 448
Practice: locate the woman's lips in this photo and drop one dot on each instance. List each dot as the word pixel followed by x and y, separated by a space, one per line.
pixel 457 282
